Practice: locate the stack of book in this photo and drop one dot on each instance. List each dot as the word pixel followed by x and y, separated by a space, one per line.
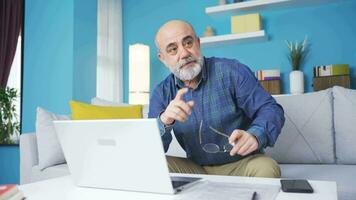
pixel 10 192
pixel 268 75
pixel 331 70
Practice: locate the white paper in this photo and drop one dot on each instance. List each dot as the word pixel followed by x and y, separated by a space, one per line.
pixel 209 190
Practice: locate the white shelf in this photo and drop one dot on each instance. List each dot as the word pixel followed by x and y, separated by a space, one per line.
pixel 259 5
pixel 229 39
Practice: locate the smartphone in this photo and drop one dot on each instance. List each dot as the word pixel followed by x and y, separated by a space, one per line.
pixel 296 185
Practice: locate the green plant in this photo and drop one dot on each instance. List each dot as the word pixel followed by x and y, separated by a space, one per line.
pixel 297 53
pixel 9 123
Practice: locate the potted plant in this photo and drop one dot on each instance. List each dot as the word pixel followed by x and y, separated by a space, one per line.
pixel 296 56
pixel 9 124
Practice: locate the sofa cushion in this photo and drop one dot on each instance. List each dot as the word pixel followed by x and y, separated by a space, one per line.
pixel 103 102
pixel 307 135
pixel 87 111
pixel 343 175
pixel 345 121
pixel 49 150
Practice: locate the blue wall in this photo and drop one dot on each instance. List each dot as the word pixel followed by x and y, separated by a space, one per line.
pixel 9 164
pixel 85 32
pixel 59 64
pixel 60 56
pixel 48 58
pixel 330 27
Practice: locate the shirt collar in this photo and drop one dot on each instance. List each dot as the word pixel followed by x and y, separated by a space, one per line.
pixel 201 76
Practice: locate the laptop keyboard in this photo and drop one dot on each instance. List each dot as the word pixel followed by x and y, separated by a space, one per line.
pixel 180 181
pixel 177 184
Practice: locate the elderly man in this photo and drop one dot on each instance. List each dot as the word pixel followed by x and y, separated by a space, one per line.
pixel 219 112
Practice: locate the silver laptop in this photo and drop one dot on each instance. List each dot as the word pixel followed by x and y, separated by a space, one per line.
pixel 118 154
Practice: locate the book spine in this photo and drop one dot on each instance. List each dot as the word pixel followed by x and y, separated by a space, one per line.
pixel 340 69
pixel 314 71
pixel 271 78
pixel 331 70
pixel 325 70
pixel 270 73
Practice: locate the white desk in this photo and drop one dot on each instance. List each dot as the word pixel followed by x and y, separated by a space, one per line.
pixel 63 188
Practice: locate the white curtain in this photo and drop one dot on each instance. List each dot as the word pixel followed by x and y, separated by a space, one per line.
pixel 109 51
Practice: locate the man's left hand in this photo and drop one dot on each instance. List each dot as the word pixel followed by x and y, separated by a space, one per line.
pixel 244 141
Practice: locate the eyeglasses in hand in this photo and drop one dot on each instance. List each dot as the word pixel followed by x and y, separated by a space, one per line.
pixel 212 147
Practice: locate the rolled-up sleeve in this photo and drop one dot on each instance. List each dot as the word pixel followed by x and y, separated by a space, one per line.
pixel 266 114
pixel 156 108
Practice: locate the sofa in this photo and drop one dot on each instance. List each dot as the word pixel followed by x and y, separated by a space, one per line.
pixel 316 143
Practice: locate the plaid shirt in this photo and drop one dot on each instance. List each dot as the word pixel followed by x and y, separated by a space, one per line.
pixel 228 97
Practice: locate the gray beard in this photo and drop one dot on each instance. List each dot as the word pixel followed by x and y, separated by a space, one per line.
pixel 190 73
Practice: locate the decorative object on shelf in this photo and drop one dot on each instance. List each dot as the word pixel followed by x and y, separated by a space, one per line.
pixel 296 82
pixel 331 70
pixel 297 55
pixel 222 2
pixel 271 86
pixel 9 122
pixel 270 80
pixel 325 82
pixel 209 31
pixel 246 23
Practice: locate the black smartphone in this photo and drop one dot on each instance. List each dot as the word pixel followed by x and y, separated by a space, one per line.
pixel 296 185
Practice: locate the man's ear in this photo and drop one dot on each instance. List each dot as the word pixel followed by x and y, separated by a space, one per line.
pixel 198 38
pixel 160 56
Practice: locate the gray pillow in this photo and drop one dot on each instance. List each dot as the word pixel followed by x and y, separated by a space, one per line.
pixel 345 121
pixel 307 135
pixel 49 150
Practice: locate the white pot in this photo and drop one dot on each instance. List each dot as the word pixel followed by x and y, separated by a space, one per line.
pixel 296 82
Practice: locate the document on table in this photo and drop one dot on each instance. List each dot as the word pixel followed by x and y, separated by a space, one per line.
pixel 209 190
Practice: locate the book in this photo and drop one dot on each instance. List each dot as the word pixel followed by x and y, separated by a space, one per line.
pixel 269 74
pixel 340 69
pixel 10 192
pixel 331 70
pixel 271 78
pixel 18 196
pixel 6 191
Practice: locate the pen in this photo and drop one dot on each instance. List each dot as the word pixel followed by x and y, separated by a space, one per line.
pixel 254 195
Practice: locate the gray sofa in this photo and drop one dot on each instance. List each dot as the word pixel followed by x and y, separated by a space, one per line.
pixel 316 142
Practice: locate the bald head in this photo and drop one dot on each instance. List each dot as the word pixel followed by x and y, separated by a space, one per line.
pixel 179 49
pixel 172 29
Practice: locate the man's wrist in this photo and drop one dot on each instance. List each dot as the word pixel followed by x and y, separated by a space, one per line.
pixel 259 134
pixel 165 120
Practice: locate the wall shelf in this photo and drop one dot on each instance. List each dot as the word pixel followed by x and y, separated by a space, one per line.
pixel 229 39
pixel 260 5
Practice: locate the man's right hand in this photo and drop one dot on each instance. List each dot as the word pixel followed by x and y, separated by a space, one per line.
pixel 177 109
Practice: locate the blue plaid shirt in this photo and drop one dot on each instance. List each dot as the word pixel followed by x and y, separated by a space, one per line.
pixel 228 97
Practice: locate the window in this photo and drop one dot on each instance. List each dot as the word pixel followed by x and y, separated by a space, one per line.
pixel 14 80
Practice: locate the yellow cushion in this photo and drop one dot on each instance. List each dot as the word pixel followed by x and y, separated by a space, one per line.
pixel 87 111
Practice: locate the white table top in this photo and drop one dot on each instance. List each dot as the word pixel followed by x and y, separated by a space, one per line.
pixel 64 188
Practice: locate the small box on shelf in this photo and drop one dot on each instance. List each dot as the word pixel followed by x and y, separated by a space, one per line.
pixel 246 23
pixel 271 86
pixel 324 82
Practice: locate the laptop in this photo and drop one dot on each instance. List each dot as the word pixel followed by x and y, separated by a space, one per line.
pixel 124 154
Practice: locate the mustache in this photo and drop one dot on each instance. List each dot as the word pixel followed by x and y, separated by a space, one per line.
pixel 185 61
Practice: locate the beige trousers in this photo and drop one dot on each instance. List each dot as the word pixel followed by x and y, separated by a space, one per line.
pixel 258 165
